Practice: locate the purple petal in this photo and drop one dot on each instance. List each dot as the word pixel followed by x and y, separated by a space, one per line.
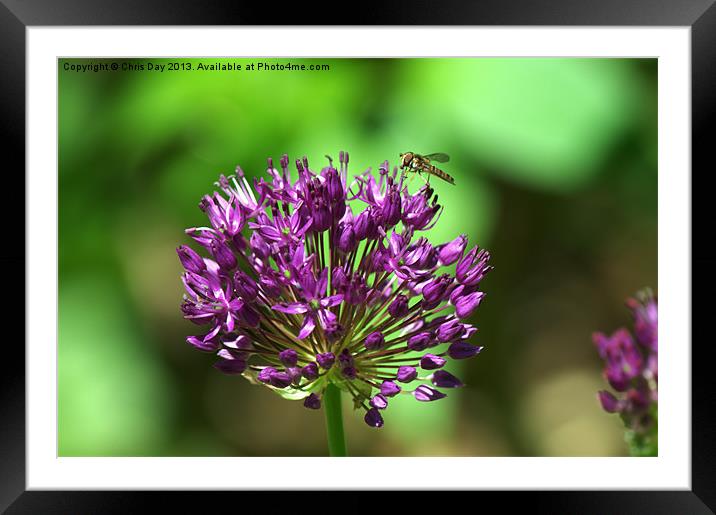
pixel 230 366
pixel 292 308
pixel 203 345
pixel 379 402
pixel 309 324
pixel 331 301
pixel 610 403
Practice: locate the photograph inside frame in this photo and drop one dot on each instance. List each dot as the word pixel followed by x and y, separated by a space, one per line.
pixel 362 257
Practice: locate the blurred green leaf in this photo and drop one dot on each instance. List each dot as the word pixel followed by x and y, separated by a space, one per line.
pixel 113 393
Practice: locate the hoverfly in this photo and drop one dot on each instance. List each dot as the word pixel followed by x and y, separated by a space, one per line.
pixel 417 163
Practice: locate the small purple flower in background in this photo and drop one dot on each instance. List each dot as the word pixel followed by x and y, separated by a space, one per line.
pixel 320 280
pixel 631 369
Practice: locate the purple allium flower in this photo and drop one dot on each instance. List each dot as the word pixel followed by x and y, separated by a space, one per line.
pixel 302 273
pixel 630 366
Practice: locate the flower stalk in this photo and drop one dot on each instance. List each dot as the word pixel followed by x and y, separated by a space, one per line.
pixel 334 421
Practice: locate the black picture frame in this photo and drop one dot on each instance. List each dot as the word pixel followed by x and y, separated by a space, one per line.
pixel 700 15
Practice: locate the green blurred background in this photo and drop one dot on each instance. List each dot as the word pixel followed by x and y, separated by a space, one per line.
pixel 556 169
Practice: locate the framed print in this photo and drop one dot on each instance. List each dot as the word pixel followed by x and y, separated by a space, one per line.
pixel 436 251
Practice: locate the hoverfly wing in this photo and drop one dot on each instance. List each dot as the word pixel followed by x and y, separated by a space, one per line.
pixel 438 157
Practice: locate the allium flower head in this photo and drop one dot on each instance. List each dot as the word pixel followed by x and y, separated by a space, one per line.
pixel 319 278
pixel 631 366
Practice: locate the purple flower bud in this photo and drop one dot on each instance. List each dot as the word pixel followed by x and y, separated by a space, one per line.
pixel 420 341
pixel 391 209
pixel 280 380
pixel 424 393
pixel 249 316
pixel 443 379
pixel 310 371
pixel 313 401
pixel 399 307
pixel 451 252
pixel 270 285
pixel 338 279
pixel 406 374
pixel 347 239
pixel 190 260
pixel 231 366
pixel 335 186
pixel 379 401
pixel 432 362
pixel 463 350
pixel 609 403
pixel 345 358
pixel 450 330
pixel 245 286
pixel 389 389
pixel 460 290
pixel 623 359
pixel 465 306
pixel 472 267
pixel 434 291
pixel 645 315
pixel 223 255
pixel 374 341
pixel 349 372
pixel 321 216
pixel 326 360
pixel 288 357
pixel 259 246
pixel 333 331
pixel 356 291
pixel 295 374
pixel 265 375
pixel 363 225
pixel 373 418
pixel 639 398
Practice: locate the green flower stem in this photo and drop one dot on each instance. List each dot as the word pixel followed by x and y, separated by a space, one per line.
pixel 334 421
